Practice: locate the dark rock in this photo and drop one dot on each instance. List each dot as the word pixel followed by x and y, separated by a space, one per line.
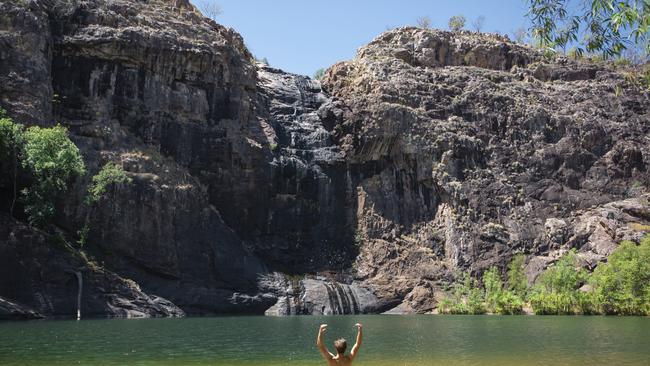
pixel 430 152
pixel 38 271
pixel 13 311
pixel 465 158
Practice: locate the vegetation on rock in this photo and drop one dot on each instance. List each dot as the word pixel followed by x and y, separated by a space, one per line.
pixel 457 23
pixel 319 74
pixel 424 22
pixel 477 24
pixel 620 286
pixel 53 160
pixel 493 298
pixel 110 174
pixel 556 290
pixel 11 144
pixel 48 156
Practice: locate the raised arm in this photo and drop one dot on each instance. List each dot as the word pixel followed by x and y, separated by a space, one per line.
pixel 319 342
pixel 357 344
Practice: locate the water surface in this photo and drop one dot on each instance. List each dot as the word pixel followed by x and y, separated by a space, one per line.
pixel 389 340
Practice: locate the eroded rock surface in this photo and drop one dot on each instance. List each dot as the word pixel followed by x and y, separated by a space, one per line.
pixel 474 148
pixel 254 190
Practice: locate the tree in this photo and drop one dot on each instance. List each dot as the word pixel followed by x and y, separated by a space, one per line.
pixel 477 24
pixel 517 281
pixel 608 26
pixel 319 74
pixel 424 22
pixel 457 22
pixel 12 139
pixel 110 174
pixel 520 35
pixel 493 287
pixel 53 160
pixel 209 8
pixel 622 284
pixel 262 60
pixel 556 291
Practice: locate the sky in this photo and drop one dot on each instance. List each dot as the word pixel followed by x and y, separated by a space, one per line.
pixel 301 36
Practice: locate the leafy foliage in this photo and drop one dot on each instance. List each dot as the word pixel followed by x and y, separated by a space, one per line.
pixel 457 22
pixel 608 26
pixel 318 75
pixel 622 285
pixel 469 298
pixel 424 22
pixel 110 174
pixel 517 281
pixel 12 139
pixel 556 291
pixel 53 160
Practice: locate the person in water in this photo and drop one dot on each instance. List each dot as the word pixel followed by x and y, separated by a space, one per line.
pixel 340 345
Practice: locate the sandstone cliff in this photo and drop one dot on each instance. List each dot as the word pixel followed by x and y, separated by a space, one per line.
pixel 254 190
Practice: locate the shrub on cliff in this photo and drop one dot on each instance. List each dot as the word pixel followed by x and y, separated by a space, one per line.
pixel 12 139
pixel 53 161
pixel 517 281
pixel 497 299
pixel 622 285
pixel 47 156
pixel 110 174
pixel 424 22
pixel 556 291
pixel 467 299
pixel 457 23
pixel 318 75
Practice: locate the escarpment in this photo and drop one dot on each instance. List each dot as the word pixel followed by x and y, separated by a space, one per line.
pixel 480 149
pixel 257 191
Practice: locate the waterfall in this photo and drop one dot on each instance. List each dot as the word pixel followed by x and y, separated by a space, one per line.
pixel 342 299
pixel 80 288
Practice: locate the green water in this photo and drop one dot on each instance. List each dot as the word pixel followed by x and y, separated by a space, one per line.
pixel 389 340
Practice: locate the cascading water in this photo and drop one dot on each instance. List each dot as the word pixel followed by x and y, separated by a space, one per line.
pixel 80 289
pixel 342 299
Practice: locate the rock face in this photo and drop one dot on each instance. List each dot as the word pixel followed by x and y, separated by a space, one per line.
pixel 479 149
pixel 253 190
pixel 38 276
pixel 13 311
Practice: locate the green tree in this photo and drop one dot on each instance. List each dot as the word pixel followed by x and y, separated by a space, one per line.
pixel 622 284
pixel 467 298
pixel 608 26
pixel 53 160
pixel 110 174
pixel 424 22
pixel 12 139
pixel 457 22
pixel 556 290
pixel 318 75
pixel 493 288
pixel 497 299
pixel 517 281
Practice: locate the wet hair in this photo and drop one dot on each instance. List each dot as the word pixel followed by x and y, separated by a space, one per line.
pixel 340 344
